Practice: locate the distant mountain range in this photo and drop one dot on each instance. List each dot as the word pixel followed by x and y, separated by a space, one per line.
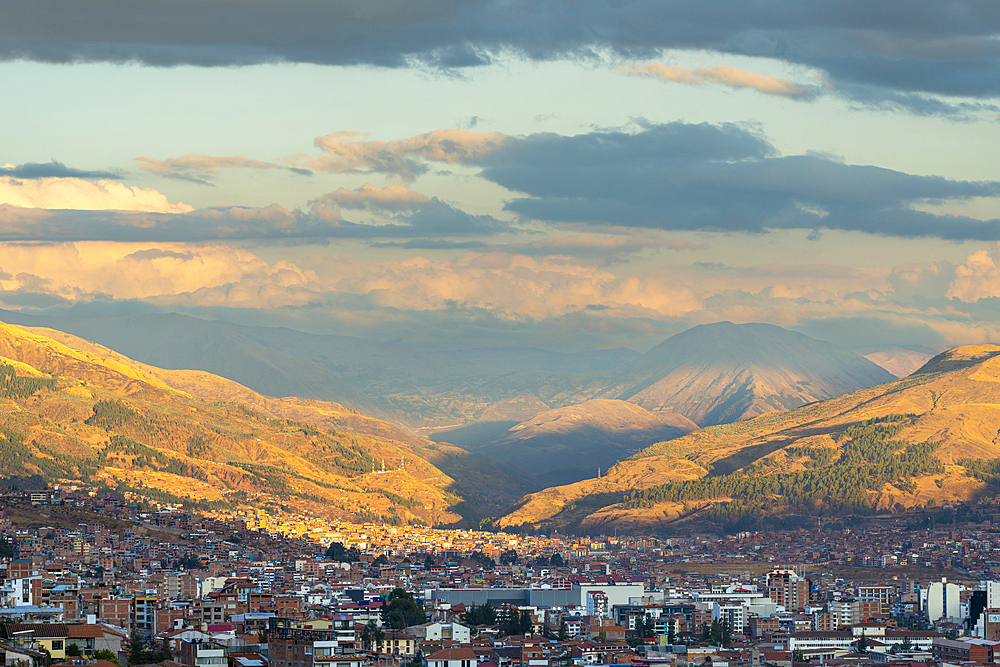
pixel 555 417
pixel 409 387
pixel 75 410
pixel 928 439
pixel 725 372
pixel 711 374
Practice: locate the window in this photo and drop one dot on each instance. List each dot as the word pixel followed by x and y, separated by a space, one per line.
pixel 57 645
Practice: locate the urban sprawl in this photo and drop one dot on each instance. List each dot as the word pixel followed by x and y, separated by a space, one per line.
pixel 145 585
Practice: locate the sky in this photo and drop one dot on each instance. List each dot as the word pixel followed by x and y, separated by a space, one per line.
pixel 445 174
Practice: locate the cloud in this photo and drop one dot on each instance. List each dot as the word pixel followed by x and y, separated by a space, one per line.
pixel 721 74
pixel 408 213
pixel 352 152
pixel 498 297
pixel 51 169
pixel 977 278
pixel 44 192
pixel 940 48
pixel 200 168
pixel 182 223
pixel 84 270
pixel 679 176
pixel 372 197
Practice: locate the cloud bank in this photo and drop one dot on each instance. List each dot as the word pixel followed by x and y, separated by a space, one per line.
pixel 76 193
pixel 943 48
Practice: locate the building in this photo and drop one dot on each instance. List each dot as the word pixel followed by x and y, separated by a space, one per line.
pixel 436 631
pixel 883 594
pixel 327 642
pixel 966 649
pixel 788 589
pixel 453 657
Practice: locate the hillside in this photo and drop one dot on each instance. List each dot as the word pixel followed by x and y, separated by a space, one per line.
pixel 412 388
pixel 931 438
pixel 724 372
pixel 73 411
pixel 568 444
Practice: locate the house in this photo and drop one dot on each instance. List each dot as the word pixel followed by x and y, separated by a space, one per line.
pixel 453 657
pixel 90 638
pixel 48 636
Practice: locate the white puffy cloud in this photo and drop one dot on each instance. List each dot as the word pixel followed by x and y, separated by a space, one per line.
pixel 977 278
pixel 84 195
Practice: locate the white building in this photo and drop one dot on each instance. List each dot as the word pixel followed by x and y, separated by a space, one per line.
pixel 943 602
pixel 437 631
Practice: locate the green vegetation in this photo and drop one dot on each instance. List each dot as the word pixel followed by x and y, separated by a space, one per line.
pixel 984 471
pixel 338 552
pixel 14 386
pixel 402 611
pixel 820 457
pixel 110 414
pixel 484 615
pixel 869 459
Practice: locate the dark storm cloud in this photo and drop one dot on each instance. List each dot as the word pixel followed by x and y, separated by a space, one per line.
pixel 720 178
pixel 947 47
pixel 52 169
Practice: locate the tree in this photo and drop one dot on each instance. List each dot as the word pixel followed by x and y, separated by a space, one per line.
pixel 189 561
pixel 429 562
pixel 7 549
pixel 720 633
pixel 563 631
pixel 72 651
pixel 106 654
pixel 483 615
pixel 509 557
pixel 381 560
pixel 671 633
pixel 863 643
pixel 338 552
pixel 798 655
pixel 142 652
pixel 402 610
pixel 556 561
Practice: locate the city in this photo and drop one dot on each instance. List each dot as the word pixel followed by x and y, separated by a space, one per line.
pixel 142 585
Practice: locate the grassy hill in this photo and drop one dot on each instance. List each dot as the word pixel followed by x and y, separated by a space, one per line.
pixel 931 438
pixel 74 411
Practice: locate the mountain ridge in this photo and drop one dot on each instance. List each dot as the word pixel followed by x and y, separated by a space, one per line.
pixel 944 418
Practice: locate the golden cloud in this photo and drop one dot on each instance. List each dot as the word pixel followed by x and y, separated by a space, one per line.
pixel 762 82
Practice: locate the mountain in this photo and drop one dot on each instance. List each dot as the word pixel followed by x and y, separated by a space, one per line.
pixel 73 411
pixel 931 438
pixel 900 361
pixel 725 372
pixel 572 443
pixel 411 388
pixel 711 374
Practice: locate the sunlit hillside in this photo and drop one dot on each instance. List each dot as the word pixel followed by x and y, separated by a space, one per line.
pixel 73 411
pixel 930 438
